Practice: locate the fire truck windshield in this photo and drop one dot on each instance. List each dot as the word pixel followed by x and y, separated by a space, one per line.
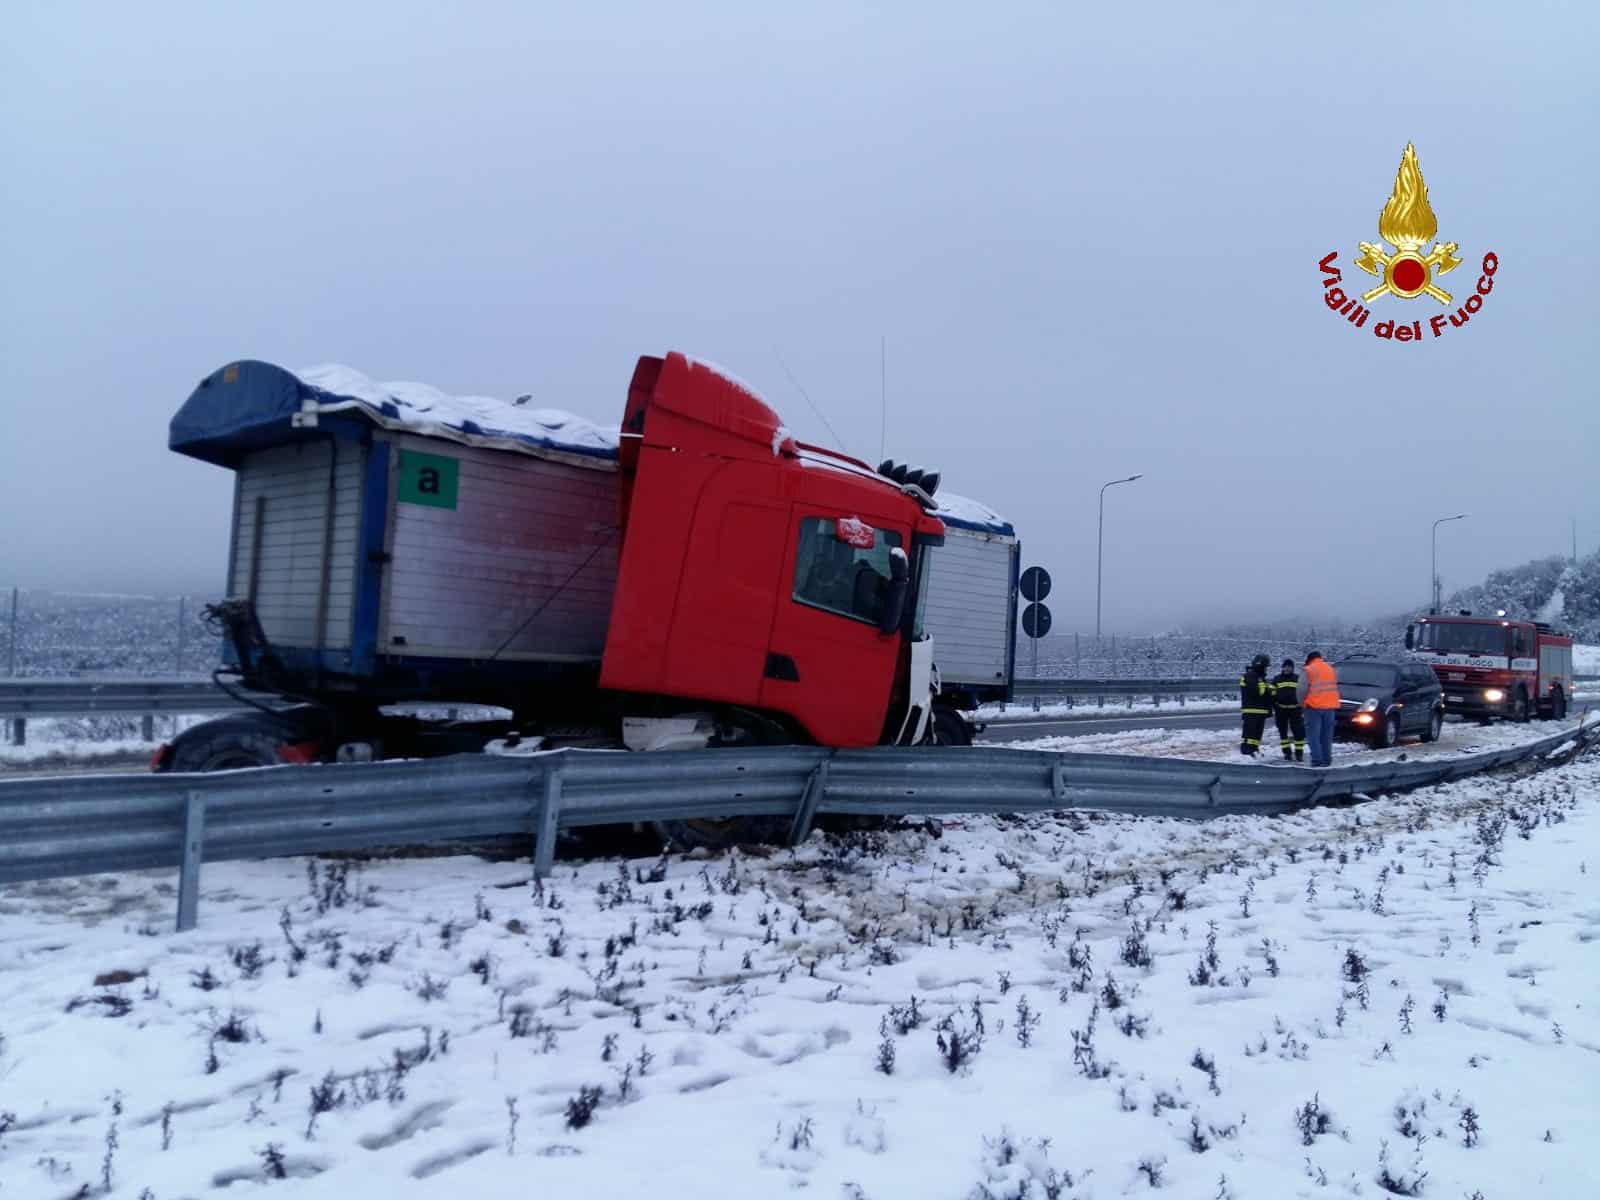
pixel 1462 637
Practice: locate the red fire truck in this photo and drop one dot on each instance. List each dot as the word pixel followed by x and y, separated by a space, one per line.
pixel 1494 667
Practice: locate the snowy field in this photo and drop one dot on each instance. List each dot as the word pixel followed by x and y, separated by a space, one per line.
pixel 1395 998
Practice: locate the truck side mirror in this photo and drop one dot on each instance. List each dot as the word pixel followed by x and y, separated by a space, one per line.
pixel 894 600
pixel 1411 636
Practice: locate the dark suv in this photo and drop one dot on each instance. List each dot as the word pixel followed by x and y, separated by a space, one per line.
pixel 1384 699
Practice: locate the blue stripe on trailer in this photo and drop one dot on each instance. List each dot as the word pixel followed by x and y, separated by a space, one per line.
pixel 373 559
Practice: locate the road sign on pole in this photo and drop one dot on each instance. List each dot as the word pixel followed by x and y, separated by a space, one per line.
pixel 1035 585
pixel 1036 621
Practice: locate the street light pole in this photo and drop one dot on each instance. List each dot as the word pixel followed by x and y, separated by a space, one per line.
pixel 1100 554
pixel 1436 524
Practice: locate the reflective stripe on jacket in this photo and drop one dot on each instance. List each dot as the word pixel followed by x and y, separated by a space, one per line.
pixel 1322 684
pixel 1286 689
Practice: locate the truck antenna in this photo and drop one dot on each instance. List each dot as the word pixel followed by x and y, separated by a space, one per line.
pixel 836 439
pixel 883 394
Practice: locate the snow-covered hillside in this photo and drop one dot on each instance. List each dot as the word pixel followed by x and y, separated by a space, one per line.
pixel 1059 1006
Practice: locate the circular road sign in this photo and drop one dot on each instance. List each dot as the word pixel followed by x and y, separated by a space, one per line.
pixel 1036 620
pixel 1035 585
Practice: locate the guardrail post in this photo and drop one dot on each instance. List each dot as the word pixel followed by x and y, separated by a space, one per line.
pixel 1058 781
pixel 19 731
pixel 816 788
pixel 147 728
pixel 544 847
pixel 194 834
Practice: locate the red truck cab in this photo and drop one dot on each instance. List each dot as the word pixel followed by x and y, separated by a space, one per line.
pixel 1494 667
pixel 762 574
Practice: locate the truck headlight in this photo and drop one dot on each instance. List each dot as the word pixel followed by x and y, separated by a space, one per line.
pixel 1494 695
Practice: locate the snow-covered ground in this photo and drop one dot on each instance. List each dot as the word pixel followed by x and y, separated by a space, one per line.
pixel 1457 737
pixel 1241 1008
pixel 85 739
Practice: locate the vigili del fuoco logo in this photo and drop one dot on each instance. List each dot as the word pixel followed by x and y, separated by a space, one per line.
pixel 1407 223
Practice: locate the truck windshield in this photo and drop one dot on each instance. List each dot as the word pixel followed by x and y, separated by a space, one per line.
pixel 923 572
pixel 833 575
pixel 1462 637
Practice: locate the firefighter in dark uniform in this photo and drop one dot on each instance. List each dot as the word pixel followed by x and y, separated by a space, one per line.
pixel 1286 709
pixel 1255 703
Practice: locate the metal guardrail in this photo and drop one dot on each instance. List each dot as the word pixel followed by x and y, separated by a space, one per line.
pixel 77 697
pixel 64 826
pixel 22 699
pixel 1073 690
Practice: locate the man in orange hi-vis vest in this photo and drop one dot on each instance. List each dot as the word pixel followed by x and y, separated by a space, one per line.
pixel 1319 693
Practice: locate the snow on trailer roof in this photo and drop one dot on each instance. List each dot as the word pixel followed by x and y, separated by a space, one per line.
pixel 970 514
pixel 250 405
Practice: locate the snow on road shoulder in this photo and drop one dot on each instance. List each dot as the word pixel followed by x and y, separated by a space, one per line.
pixel 1457 738
pixel 82 739
pixel 1246 1007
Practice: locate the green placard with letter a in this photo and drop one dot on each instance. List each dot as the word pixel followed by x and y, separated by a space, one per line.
pixel 429 479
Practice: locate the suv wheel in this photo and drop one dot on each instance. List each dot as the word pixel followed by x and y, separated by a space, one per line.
pixel 1435 726
pixel 1389 733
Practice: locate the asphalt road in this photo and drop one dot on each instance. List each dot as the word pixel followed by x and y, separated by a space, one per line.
pixel 1043 727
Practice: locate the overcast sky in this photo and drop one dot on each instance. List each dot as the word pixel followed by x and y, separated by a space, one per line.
pixel 1089 237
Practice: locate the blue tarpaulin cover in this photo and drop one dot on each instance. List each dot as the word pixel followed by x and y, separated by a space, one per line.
pixel 250 405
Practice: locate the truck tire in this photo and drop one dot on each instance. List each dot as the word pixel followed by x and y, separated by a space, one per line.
pixel 230 744
pixel 1520 711
pixel 710 834
pixel 948 728
pixel 1558 705
pixel 723 835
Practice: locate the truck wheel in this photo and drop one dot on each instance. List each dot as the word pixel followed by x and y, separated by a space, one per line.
pixel 1519 707
pixel 1558 705
pixel 723 835
pixel 948 728
pixel 710 834
pixel 230 744
pixel 1435 727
